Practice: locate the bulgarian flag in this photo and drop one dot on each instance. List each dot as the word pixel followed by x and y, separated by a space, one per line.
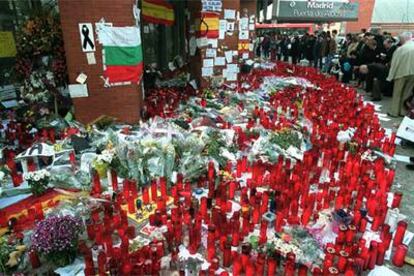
pixel 122 54
pixel 158 12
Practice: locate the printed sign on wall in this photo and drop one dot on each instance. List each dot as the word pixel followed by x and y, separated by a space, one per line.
pixel 87 37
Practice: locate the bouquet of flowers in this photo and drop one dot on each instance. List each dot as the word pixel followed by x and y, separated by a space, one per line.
pixel 56 238
pixel 36 87
pixel 38 181
pixel 103 161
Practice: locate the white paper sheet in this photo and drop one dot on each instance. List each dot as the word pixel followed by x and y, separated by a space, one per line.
pixel 206 71
pixel 251 27
pixel 78 90
pixel 211 53
pixel 220 61
pixel 81 78
pixel 406 129
pixel 202 42
pixel 222 25
pixel 230 26
pixel 208 62
pixel 232 68
pixel 90 57
pixel 222 34
pixel 213 43
pixel 231 76
pixel 243 35
pixel 245 56
pixel 402 158
pixel 244 24
pixel 229 56
pixel 229 14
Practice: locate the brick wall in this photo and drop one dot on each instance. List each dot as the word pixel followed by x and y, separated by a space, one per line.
pixel 122 102
pixel 366 7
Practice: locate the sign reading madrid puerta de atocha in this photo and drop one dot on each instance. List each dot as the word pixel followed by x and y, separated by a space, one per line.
pixel 317 11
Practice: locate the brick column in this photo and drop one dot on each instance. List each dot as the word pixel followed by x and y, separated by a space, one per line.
pixel 230 42
pixel 366 8
pixel 121 102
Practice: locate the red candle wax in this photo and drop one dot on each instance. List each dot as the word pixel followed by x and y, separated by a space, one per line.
pixel 145 195
pixel 399 255
pixel 400 232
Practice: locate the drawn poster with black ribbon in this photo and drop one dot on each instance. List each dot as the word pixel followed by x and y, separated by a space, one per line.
pixel 87 37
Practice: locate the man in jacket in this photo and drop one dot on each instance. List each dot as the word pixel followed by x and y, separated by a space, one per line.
pixel 402 73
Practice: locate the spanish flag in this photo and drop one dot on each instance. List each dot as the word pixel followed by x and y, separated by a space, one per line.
pixel 209 25
pixel 158 12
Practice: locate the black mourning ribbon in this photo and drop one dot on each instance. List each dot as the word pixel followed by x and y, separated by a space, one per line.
pixel 86 38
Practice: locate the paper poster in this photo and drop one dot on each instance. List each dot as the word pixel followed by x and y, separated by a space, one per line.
pixel 202 42
pixel 229 56
pixel 213 42
pixel 222 25
pixel 192 44
pixel 206 71
pixel 81 78
pixel 229 14
pixel 78 90
pixel 211 5
pixel 211 53
pixel 231 76
pixel 87 37
pixel 244 24
pixel 222 34
pixel 7 45
pixel 90 57
pixel 243 35
pixel 208 62
pixel 232 68
pixel 220 61
pixel 230 26
pixel 251 19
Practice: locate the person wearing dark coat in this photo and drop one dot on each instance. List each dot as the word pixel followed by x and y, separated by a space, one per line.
pixel 295 50
pixel 317 52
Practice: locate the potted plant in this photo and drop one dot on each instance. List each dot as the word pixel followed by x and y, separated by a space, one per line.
pixel 56 239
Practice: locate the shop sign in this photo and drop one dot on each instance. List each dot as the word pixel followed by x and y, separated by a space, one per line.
pixel 317 11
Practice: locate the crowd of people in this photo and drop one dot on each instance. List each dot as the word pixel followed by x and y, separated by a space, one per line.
pixel 381 64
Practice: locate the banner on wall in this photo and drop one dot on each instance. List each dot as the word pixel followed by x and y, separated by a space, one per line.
pixel 122 54
pixel 209 25
pixel 158 12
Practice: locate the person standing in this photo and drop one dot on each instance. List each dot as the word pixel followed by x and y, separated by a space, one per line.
pixel 402 73
pixel 317 52
pixel 295 49
pixel 266 46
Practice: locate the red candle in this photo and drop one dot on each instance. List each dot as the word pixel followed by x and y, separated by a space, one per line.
pixel 163 184
pixel 373 254
pixel 342 261
pixel 399 255
pixel 34 259
pixel 396 200
pixel 145 195
pixel 153 191
pixel 400 232
pixel 381 253
pixel 271 266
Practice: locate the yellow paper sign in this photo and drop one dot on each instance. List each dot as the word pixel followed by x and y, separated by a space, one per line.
pixel 7 45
